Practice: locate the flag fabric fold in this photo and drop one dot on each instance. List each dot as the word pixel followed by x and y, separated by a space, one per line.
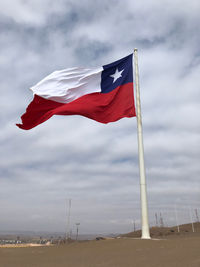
pixel 103 94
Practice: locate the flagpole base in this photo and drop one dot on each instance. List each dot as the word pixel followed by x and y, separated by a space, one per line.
pixel 146 237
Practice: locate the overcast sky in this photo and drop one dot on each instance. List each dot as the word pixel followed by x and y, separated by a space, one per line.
pixel 96 165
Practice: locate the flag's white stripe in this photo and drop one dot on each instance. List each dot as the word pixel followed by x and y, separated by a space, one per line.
pixel 66 85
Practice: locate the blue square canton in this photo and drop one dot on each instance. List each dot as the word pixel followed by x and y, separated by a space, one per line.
pixel 117 73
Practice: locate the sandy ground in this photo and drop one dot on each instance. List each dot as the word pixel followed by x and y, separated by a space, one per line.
pixel 173 252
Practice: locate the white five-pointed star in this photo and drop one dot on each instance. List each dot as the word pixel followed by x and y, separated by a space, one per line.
pixel 116 75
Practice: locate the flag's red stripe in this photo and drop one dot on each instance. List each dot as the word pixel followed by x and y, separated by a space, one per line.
pixel 103 108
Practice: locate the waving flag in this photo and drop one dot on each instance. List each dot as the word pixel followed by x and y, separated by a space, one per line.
pixel 103 94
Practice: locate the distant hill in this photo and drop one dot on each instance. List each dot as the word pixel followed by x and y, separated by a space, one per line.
pixel 157 232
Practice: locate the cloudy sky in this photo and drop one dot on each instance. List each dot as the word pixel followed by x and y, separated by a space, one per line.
pixel 96 165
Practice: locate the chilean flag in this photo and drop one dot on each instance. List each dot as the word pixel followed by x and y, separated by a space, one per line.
pixel 103 94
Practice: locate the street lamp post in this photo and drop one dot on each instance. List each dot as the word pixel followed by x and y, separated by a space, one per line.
pixel 77 225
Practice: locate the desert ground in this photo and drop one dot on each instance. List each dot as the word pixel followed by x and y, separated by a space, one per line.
pixel 174 252
pixel 177 250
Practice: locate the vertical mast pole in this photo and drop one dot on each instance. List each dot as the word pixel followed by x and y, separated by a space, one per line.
pixel 68 236
pixel 143 191
pixel 176 214
pixel 191 219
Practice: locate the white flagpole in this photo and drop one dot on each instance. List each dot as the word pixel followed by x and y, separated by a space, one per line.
pixel 143 191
